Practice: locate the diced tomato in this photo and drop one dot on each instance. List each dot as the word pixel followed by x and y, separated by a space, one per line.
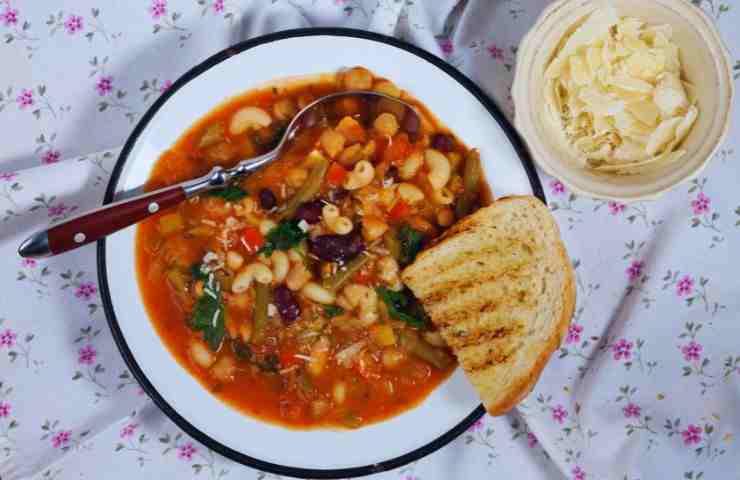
pixel 336 175
pixel 399 211
pixel 398 149
pixel 287 356
pixel 364 276
pixel 252 239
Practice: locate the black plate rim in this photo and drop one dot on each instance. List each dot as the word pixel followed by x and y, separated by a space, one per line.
pixel 109 310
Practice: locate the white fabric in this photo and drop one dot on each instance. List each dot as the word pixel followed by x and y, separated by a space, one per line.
pixel 646 386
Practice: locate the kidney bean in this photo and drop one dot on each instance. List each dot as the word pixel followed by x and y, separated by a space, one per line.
pixel 286 304
pixel 310 211
pixel 267 199
pixel 337 248
pixel 442 142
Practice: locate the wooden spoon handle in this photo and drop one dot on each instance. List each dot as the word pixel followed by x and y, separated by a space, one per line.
pixel 99 223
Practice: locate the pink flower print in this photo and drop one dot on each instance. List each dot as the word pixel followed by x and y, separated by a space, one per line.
pixel 622 349
pixel 692 435
pixel 87 355
pixel 128 430
pixel 559 413
pixel 73 24
pixel 86 290
pixel 578 473
pixel 104 85
pixel 4 409
pixel 186 452
pixel 57 210
pixel 631 410
pixel 615 208
pixel 7 338
pixel 495 52
pixel 28 263
pixel 25 99
pixel 574 333
pixel 165 86
pixel 634 271
pixel 477 426
pixel 685 286
pixel 446 46
pixel 218 6
pixel 61 439
pixel 158 8
pixel 10 16
pixel 701 204
pixel 7 176
pixel 531 440
pixel 692 351
pixel 557 187
pixel 51 156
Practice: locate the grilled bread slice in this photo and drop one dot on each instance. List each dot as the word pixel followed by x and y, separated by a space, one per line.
pixel 500 288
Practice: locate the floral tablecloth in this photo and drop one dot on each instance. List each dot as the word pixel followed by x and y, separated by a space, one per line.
pixel 646 385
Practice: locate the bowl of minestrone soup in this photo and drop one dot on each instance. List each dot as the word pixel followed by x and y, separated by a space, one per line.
pixel 268 319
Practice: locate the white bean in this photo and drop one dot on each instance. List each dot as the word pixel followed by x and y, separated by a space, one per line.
pixel 360 176
pixel 439 168
pixel 280 265
pixel 388 272
pixel 224 369
pixel 254 271
pixel 200 354
pixel 315 292
pixel 298 276
pixel 339 392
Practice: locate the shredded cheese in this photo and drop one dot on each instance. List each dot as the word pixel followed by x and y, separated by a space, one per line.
pixel 615 90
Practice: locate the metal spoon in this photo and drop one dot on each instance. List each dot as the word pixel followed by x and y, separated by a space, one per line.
pixel 96 224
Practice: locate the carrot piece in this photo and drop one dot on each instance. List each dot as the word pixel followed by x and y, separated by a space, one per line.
pixel 336 175
pixel 399 211
pixel 252 239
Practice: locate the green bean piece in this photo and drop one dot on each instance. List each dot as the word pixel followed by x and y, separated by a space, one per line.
pixel 411 341
pixel 261 299
pixel 310 188
pixel 471 182
pixel 392 243
pixel 336 281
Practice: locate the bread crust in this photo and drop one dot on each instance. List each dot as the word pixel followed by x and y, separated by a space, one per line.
pixel 416 274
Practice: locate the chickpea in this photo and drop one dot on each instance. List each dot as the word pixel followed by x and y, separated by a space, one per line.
pixel 234 260
pixel 386 124
pixel 445 217
pixel 358 78
pixel 284 109
pixel 373 227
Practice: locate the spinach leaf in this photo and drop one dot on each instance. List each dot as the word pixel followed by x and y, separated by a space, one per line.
pixel 198 273
pixel 403 306
pixel 411 243
pixel 332 311
pixel 231 193
pixel 283 237
pixel 209 315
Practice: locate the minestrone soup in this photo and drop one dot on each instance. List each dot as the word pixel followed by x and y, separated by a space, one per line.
pixel 281 293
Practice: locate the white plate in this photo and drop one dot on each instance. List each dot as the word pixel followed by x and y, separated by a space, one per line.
pixel 454 405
